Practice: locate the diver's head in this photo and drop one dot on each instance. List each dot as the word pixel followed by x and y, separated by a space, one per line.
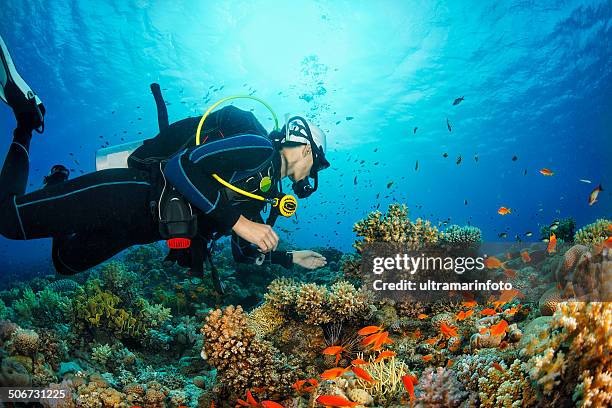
pixel 303 147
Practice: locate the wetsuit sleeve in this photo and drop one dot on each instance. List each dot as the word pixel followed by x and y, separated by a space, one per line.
pixel 245 252
pixel 190 172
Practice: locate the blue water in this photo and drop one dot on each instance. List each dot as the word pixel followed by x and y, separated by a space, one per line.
pixel 536 77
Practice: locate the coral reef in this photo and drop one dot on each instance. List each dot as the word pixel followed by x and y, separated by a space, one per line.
pixel 138 331
pixel 570 359
pixel 594 233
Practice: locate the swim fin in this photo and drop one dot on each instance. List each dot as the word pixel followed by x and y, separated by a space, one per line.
pixel 16 93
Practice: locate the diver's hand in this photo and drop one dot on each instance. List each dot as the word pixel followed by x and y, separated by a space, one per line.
pixel 309 259
pixel 261 235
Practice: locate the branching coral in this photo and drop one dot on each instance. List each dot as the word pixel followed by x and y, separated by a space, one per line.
pixel 44 308
pixel 572 360
pixel 396 227
pixel 243 361
pixel 508 387
pixel 456 237
pixel 101 353
pixel 316 304
pixel 346 302
pixel 594 233
pixel 311 302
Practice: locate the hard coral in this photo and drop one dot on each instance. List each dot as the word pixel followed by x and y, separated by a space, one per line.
pixel 439 388
pixel 243 361
pixel 25 342
pixel 461 238
pixel 594 233
pixel 311 304
pixel 265 319
pixel 396 227
pixel 571 359
pixel 508 387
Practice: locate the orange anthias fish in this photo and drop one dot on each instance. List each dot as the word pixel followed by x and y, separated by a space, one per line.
pixel 422 316
pixel 301 387
pixel 363 374
pixel 499 328
pixel 369 330
pixel 384 354
pixel 464 315
pixel 448 331
pixel 504 211
pixel 359 361
pixel 547 172
pixel 432 341
pixel 271 404
pixel 382 339
pixel 492 262
pixel 552 244
pixel 250 402
pixel 511 273
pixel 512 311
pixel 335 401
pixel 409 382
pixel 509 294
pixel 525 256
pixel 334 351
pixel 594 194
pixel 471 303
pixel 488 312
pixel 498 366
pixel 333 373
pixel 427 357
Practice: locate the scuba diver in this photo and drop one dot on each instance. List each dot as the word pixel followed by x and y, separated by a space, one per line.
pixel 199 179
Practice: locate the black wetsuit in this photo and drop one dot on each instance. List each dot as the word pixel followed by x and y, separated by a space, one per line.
pixel 97 215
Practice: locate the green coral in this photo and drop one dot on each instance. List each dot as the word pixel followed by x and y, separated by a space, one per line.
pixel 99 309
pixel 457 237
pixel 155 315
pixel 564 231
pixel 101 354
pixel 594 233
pixel 44 308
pixel 4 311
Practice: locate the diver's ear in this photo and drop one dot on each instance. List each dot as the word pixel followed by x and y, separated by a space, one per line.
pixel 307 150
